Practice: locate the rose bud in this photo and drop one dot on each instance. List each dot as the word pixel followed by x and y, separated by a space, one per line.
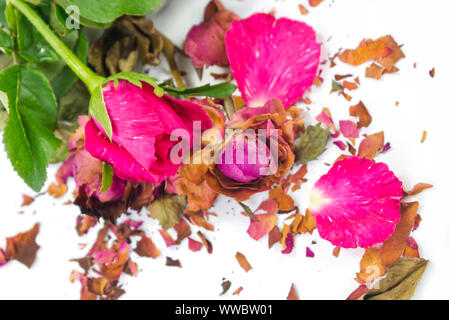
pixel 241 179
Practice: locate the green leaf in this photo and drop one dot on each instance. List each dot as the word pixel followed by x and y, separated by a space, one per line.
pixel 400 282
pixel 106 11
pixel 3 22
pixel 58 18
pixel 107 178
pixel 137 79
pixel 31 44
pixel 166 209
pixel 336 86
pixel 6 41
pixel 311 144
pixel 98 110
pixel 222 90
pixel 248 211
pixel 33 113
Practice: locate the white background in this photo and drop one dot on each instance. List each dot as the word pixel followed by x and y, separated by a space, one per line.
pixel 422 27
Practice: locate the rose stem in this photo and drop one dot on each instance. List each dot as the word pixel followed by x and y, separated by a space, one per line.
pixel 90 78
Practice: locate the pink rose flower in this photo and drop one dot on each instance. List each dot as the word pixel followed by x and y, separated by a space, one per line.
pixel 142 124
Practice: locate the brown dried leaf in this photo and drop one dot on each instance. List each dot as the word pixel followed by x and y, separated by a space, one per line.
pixel 166 209
pixel 359 110
pixel 147 248
pixel 23 246
pixel 57 190
pixel 394 247
pixel 401 281
pixel 292 295
pixel 243 262
pixel 371 145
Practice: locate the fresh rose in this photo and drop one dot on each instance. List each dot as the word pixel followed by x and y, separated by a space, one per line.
pixel 142 125
pixel 87 173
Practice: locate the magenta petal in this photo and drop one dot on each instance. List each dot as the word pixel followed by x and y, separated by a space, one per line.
pixel 138 116
pixel 272 58
pixel 142 124
pixel 357 203
pixel 309 253
pixel 289 242
pixel 125 166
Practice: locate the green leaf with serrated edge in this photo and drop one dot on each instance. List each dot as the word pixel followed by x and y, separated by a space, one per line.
pixel 400 282
pixel 166 209
pixel 107 177
pixel 105 11
pixel 137 79
pixel 311 144
pixel 31 45
pixel 97 109
pixel 222 90
pixel 33 113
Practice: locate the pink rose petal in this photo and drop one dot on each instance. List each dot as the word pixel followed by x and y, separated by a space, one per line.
pixel 349 129
pixel 272 58
pixel 289 243
pixel 309 253
pixel 263 226
pixel 340 144
pixel 357 203
pixel 195 245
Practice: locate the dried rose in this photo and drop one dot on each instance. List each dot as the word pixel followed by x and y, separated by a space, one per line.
pixel 121 46
pixel 205 42
pixel 240 181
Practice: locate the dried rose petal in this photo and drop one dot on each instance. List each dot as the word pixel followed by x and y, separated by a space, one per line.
pixel 357 203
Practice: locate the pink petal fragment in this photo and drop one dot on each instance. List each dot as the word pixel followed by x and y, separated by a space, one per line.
pixel 263 226
pixel 195 245
pixel 340 144
pixel 106 257
pixel 167 238
pixel 289 242
pixel 134 224
pixel 309 253
pixel 269 206
pixel 349 129
pixel 205 45
pixel 357 203
pixel 3 259
pixel 272 58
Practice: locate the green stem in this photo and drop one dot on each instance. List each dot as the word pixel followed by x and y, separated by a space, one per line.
pixel 90 78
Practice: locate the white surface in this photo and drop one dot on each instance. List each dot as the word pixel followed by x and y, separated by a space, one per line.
pixel 421 26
